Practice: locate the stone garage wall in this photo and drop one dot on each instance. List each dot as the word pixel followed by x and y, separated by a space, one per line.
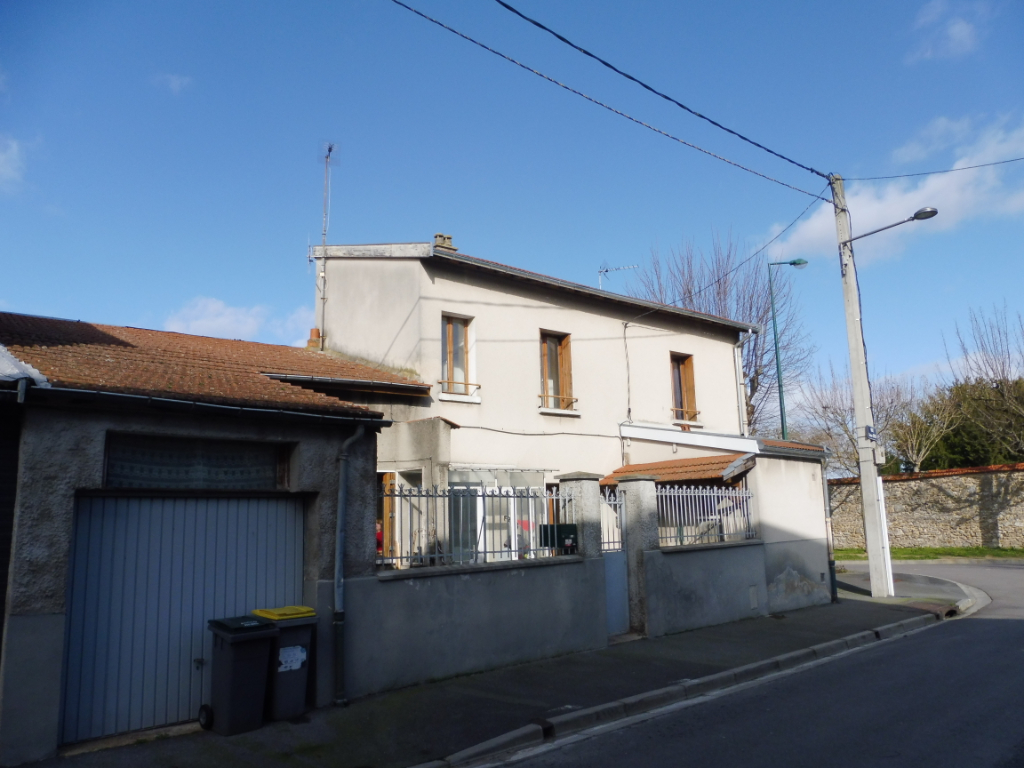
pixel 977 507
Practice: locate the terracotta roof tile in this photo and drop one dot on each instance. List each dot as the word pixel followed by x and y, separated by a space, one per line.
pixel 790 444
pixel 677 470
pixel 78 355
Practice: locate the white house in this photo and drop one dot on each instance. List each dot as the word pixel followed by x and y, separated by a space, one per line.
pixel 530 376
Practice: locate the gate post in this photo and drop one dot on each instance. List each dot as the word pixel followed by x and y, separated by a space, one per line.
pixel 586 494
pixel 639 534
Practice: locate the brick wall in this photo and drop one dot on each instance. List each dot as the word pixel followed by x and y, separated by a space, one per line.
pixel 978 507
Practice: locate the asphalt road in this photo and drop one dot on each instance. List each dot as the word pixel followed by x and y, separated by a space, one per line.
pixel 952 695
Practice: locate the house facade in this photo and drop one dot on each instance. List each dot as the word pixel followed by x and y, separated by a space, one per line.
pixel 529 376
pixel 149 482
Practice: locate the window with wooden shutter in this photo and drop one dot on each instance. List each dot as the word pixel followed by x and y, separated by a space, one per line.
pixel 684 401
pixel 556 372
pixel 455 356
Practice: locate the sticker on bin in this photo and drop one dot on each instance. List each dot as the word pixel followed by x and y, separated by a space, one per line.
pixel 290 658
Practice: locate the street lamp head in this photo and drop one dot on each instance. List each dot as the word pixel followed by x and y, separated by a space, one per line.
pixel 798 263
pixel 925 213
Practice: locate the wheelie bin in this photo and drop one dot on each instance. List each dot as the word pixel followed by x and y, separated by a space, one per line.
pixel 288 678
pixel 241 651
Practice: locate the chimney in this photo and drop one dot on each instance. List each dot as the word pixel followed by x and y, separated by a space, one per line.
pixel 444 241
pixel 314 339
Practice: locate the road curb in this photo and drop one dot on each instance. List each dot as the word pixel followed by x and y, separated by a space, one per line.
pixel 582 719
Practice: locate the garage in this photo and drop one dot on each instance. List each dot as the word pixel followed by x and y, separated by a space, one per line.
pixel 147 572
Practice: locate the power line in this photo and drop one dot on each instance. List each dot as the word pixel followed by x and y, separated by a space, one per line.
pixel 605 106
pixel 932 173
pixel 752 256
pixel 656 92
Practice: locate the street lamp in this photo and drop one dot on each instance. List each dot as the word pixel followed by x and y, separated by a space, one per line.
pixel 799 264
pixel 869 452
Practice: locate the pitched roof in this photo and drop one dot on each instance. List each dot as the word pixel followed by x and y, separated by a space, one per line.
pixel 428 253
pixel 791 445
pixel 677 470
pixel 107 358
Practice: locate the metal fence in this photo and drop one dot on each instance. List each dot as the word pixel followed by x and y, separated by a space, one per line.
pixel 451 526
pixel 704 515
pixel 612 508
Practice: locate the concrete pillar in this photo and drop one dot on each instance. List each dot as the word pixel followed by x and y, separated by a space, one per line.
pixel 586 492
pixel 639 535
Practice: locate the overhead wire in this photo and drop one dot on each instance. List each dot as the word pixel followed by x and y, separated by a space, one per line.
pixel 932 173
pixel 656 92
pixel 610 108
pixel 736 268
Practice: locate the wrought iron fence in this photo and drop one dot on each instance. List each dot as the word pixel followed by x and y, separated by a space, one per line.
pixel 451 526
pixel 703 515
pixel 612 508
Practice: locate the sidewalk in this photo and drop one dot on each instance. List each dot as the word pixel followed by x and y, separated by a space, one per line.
pixel 429 722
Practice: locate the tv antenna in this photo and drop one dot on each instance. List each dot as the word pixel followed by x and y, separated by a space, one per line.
pixel 328 151
pixel 605 269
pixel 321 268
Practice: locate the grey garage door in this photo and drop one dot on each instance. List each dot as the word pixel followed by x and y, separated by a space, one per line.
pixel 147 574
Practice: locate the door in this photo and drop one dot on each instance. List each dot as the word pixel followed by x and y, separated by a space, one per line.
pixel 615 572
pixel 147 573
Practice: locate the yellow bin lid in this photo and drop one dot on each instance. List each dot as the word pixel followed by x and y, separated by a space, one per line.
pixel 285 613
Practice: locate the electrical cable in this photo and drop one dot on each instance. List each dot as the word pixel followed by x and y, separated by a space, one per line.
pixel 932 173
pixel 618 112
pixel 656 92
pixel 756 253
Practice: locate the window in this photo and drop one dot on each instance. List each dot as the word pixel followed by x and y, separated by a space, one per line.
pixel 455 356
pixel 143 461
pixel 555 372
pixel 684 403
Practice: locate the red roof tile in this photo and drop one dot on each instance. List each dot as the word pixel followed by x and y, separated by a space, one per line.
pixel 677 470
pixel 793 445
pixel 109 358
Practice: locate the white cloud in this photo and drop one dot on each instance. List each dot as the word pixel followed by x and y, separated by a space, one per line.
pixel 945 32
pixel 960 197
pixel 203 316
pixel 174 83
pixel 12 162
pixel 294 330
pixel 941 133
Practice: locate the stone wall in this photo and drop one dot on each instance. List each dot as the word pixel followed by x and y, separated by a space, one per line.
pixel 978 507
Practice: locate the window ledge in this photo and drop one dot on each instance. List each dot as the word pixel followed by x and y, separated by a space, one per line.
pixel 696 424
pixel 450 398
pixel 559 412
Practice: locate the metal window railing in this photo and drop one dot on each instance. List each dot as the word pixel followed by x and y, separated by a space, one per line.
pixel 453 526
pixel 561 402
pixel 612 509
pixel 704 515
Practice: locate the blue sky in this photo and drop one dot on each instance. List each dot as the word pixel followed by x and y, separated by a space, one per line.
pixel 160 163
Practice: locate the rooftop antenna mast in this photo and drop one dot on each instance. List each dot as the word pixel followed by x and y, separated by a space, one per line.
pixel 605 269
pixel 321 270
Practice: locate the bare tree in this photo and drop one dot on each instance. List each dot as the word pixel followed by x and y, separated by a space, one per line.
pixel 927 415
pixel 991 371
pixel 719 283
pixel 825 416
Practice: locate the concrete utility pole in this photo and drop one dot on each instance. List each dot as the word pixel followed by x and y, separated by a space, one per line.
pixel 870 454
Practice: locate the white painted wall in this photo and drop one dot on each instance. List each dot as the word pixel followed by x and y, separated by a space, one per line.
pixel 789 498
pixel 388 310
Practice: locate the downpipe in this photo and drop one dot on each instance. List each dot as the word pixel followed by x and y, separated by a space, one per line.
pixel 339 568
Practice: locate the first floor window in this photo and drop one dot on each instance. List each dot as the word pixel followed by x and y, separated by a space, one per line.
pixel 684 406
pixel 556 372
pixel 455 355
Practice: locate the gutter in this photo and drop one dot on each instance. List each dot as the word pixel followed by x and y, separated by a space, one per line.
pixel 196 405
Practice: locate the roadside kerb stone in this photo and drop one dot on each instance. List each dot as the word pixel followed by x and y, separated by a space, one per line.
pixel 572 722
pixel 584 718
pixel 520 737
pixel 644 702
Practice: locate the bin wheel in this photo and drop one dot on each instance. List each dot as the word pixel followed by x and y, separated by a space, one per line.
pixel 206 717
